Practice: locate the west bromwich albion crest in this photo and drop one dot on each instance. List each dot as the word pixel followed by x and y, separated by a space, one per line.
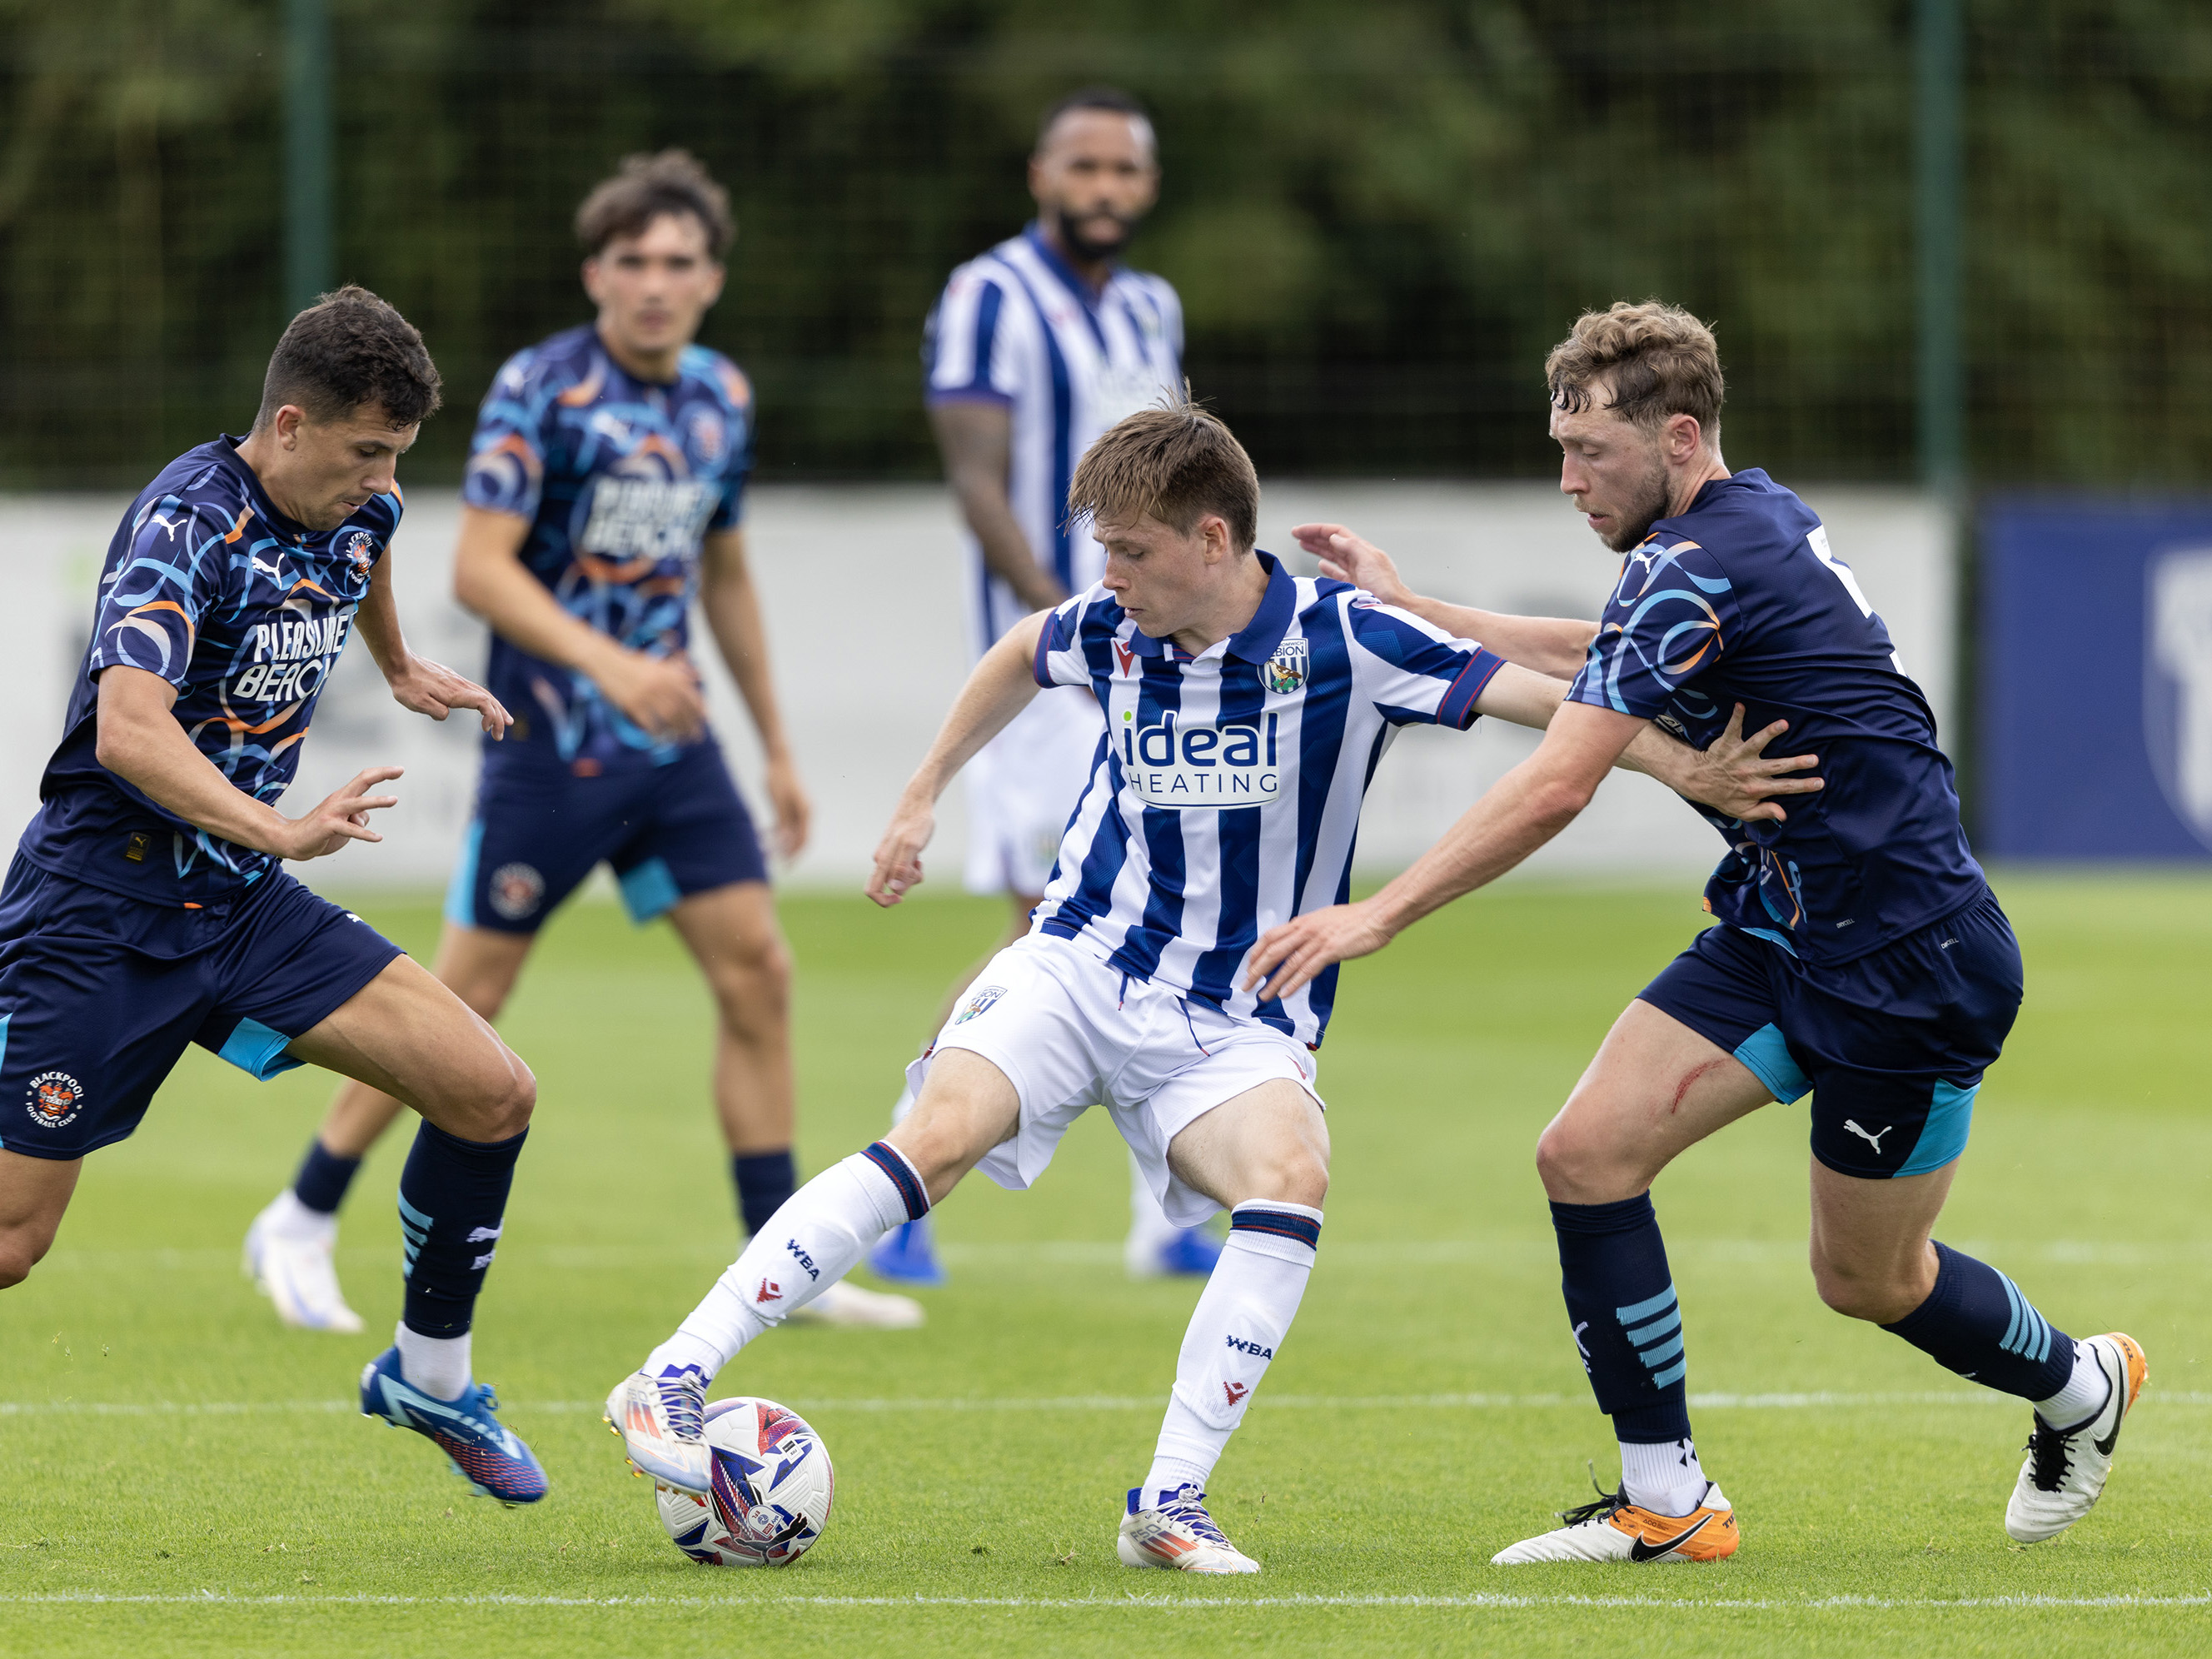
pixel 1286 669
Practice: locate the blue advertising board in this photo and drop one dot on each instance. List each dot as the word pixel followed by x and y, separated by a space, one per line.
pixel 2094 651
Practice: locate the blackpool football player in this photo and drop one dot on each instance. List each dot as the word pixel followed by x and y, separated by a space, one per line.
pixel 602 496
pixel 1860 956
pixel 1244 711
pixel 147 907
pixel 1034 349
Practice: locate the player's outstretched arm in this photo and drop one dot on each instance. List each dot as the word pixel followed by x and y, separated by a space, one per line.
pixel 1519 813
pixel 999 688
pixel 139 740
pixel 418 684
pixel 660 693
pixel 1553 646
pixel 732 603
pixel 977 441
pixel 1734 776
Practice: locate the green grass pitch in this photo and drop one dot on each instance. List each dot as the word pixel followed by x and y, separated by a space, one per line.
pixel 184 1476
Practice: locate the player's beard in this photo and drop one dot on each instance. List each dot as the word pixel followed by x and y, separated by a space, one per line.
pixel 1088 250
pixel 1644 507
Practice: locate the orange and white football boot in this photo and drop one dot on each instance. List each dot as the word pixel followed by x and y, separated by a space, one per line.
pixel 1614 1529
pixel 2065 1473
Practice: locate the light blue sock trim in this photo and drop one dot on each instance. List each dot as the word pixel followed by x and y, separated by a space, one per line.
pixel 649 890
pixel 1765 1055
pixel 1665 1351
pixel 257 1050
pixel 1943 1137
pixel 461 891
pixel 1655 1329
pixel 415 1230
pixel 1672 1375
pixel 1637 1310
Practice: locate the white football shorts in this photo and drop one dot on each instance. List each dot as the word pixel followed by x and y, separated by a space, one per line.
pixel 1022 788
pixel 1072 1031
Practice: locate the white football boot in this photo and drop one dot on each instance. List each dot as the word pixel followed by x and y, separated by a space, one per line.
pixel 1177 1533
pixel 287 1257
pixel 1614 1529
pixel 2065 1473
pixel 662 1422
pixel 848 1305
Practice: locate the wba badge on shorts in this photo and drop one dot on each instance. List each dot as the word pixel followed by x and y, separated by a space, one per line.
pixel 1286 670
pixel 979 1003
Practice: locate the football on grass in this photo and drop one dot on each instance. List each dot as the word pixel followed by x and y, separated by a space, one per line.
pixel 771 1491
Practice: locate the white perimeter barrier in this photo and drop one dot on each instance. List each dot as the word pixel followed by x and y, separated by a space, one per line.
pixel 862 586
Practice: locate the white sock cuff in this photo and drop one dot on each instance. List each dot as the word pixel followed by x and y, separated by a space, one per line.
pixel 893 1185
pixel 1288 1232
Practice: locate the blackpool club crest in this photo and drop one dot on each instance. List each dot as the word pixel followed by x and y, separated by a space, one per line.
pixel 1286 670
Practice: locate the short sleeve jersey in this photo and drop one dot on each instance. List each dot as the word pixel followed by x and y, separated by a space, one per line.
pixel 245 612
pixel 1018 328
pixel 620 479
pixel 1740 600
pixel 1225 796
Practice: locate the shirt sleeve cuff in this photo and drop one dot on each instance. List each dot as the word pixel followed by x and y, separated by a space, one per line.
pixel 1041 668
pixel 936 395
pixel 1457 708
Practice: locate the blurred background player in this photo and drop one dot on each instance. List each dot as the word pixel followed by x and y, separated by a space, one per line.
pixel 1035 349
pixel 147 907
pixel 602 496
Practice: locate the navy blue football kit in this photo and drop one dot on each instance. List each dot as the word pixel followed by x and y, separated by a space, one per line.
pixel 620 479
pixel 125 933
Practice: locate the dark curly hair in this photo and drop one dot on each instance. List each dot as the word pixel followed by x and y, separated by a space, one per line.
pixel 348 351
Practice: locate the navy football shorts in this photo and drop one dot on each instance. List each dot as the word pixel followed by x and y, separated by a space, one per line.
pixel 669 831
pixel 1892 1045
pixel 99 995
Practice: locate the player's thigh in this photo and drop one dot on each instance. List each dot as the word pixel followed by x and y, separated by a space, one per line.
pixel 1868 1243
pixel 732 933
pixel 1270 1142
pixel 480 964
pixel 967 1107
pixel 34 1193
pixel 1043 1017
pixel 408 1035
pixel 690 837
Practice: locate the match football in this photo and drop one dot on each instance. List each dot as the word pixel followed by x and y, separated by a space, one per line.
pixel 866 832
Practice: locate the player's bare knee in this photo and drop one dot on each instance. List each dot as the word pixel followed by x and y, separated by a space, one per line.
pixel 753 990
pixel 1299 1175
pixel 21 1249
pixel 1875 1294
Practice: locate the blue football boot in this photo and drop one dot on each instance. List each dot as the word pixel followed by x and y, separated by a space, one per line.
pixel 483 1450
pixel 908 1255
pixel 1186 1253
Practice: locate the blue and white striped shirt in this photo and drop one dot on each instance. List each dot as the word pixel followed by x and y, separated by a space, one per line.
pixel 1224 797
pixel 1018 326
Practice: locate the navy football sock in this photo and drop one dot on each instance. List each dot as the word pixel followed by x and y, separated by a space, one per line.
pixel 1620 1306
pixel 452 1194
pixel 1977 1323
pixel 765 1182
pixel 323 1179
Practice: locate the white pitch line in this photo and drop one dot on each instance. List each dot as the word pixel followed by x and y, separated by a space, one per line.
pixel 1168 1603
pixel 1090 1402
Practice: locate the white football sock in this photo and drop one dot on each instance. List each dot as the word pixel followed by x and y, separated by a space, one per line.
pixel 820 1235
pixel 2084 1395
pixel 1241 1319
pixel 439 1365
pixel 1664 1477
pixel 288 1218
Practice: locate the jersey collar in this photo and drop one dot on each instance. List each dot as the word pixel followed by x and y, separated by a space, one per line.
pixel 1069 278
pixel 1257 640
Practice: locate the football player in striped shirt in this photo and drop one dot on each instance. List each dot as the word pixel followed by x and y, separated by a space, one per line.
pixel 1244 710
pixel 1036 348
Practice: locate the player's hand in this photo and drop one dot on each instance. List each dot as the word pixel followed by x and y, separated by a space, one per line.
pixel 431 687
pixel 1734 775
pixel 662 694
pixel 793 811
pixel 1289 956
pixel 898 855
pixel 1345 558
pixel 342 817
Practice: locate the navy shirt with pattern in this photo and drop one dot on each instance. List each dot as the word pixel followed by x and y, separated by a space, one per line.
pixel 1740 600
pixel 245 612
pixel 620 478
